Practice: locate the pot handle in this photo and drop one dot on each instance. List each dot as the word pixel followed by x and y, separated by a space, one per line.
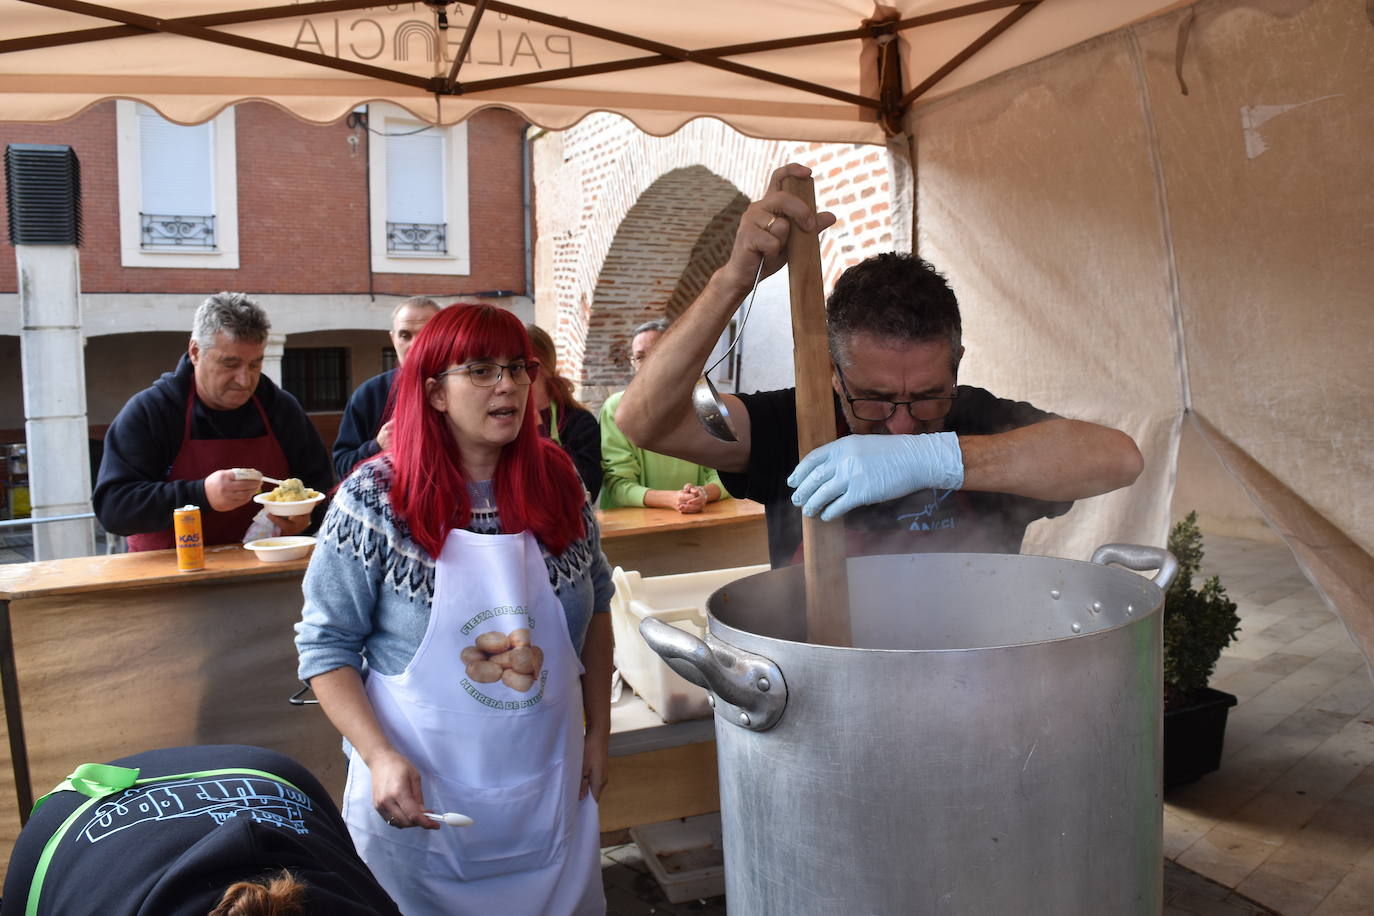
pixel 1137 557
pixel 746 690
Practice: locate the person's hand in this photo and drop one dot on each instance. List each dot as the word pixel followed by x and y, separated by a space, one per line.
pixel 691 499
pixel 862 470
pixel 223 492
pixel 396 792
pixel 596 764
pixel 764 227
pixel 290 524
pixel 384 436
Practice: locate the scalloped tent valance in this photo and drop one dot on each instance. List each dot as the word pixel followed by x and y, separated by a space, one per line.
pixel 825 70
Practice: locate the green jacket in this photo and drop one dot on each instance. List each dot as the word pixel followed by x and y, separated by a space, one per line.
pixel 631 471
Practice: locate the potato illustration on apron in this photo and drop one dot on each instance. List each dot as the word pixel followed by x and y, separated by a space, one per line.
pixel 506 657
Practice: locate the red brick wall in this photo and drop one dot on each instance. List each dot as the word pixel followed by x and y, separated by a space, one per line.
pixel 302 209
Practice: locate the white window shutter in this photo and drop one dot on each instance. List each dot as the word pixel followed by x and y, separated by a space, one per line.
pixel 177 166
pixel 415 177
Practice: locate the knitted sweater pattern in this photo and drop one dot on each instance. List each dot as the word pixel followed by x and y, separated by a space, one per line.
pixel 362 522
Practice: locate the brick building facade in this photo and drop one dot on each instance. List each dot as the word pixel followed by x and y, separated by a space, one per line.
pixel 304 249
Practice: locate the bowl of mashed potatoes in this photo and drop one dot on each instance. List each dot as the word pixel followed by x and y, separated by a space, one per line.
pixel 291 498
pixel 282 548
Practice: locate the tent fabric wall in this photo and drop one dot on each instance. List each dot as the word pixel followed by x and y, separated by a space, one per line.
pixel 1127 253
pixel 1038 198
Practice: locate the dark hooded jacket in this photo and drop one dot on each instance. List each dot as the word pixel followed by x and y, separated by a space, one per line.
pixel 132 494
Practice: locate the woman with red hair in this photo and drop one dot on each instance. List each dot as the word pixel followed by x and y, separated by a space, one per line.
pixel 463 565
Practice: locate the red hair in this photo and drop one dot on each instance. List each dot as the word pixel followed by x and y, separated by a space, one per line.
pixel 537 487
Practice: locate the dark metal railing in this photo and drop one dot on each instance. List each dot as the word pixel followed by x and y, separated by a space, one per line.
pixel 177 231
pixel 417 237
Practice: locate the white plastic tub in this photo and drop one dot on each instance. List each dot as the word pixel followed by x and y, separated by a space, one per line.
pixel 677 600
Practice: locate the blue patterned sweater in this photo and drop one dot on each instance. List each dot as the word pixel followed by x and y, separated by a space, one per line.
pixel 369 585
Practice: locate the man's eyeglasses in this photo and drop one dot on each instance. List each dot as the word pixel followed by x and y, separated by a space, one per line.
pixel 877 410
pixel 489 375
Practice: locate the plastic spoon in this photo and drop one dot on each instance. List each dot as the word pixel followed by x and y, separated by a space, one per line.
pixel 450 819
pixel 254 474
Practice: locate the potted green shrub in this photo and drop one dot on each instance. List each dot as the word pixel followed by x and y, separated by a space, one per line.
pixel 1199 622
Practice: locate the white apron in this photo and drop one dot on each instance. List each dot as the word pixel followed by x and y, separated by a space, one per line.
pixel 507 753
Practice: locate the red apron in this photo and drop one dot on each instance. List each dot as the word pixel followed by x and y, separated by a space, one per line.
pixel 198 459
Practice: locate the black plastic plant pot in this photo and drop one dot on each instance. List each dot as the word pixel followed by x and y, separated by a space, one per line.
pixel 1193 736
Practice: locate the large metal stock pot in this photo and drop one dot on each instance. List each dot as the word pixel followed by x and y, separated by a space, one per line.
pixel 990 745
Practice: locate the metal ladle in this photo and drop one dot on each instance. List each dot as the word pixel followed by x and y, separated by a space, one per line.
pixel 706 401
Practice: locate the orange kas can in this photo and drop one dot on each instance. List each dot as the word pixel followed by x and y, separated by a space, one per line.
pixel 190 548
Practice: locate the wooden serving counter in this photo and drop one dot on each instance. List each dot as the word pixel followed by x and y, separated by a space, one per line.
pixel 661 542
pixel 106 656
pixel 111 655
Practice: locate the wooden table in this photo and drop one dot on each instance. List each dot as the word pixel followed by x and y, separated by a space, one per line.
pixel 658 772
pixel 661 542
pixel 112 655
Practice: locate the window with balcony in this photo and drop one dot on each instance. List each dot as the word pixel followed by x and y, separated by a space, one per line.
pixel 177 190
pixel 419 189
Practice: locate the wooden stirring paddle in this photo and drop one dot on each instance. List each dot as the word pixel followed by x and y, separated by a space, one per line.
pixel 823 543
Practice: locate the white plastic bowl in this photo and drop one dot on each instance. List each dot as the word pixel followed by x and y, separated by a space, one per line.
pixel 299 507
pixel 280 549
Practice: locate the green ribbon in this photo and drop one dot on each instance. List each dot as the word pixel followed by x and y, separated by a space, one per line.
pixel 101 780
pixel 95 780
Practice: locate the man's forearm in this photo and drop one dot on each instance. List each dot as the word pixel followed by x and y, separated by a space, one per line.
pixel 660 395
pixel 1056 460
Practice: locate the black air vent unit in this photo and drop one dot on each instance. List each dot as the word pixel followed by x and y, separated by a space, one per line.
pixel 44 184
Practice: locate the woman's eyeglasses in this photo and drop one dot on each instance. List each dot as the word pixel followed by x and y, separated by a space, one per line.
pixel 489 375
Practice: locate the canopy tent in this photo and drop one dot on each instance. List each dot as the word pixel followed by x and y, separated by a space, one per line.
pixel 1117 188
pixel 803 69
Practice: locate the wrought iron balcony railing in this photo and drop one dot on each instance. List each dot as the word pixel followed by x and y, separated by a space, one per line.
pixel 163 231
pixel 417 237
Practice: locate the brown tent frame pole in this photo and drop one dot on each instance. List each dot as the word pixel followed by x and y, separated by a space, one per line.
pixel 977 45
pixel 178 27
pixel 104 33
pixel 670 53
pixel 469 32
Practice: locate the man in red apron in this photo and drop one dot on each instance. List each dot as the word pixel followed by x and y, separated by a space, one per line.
pixel 176 443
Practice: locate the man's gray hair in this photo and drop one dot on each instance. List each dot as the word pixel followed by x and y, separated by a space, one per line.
pixel 419 302
pixel 658 324
pixel 232 314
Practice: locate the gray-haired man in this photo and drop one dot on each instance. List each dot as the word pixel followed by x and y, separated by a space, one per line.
pixel 176 442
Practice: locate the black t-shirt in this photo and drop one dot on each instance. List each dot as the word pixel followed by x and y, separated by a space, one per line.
pixel 927 521
pixel 171 848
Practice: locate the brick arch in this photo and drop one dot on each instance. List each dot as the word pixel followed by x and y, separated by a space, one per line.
pixel 590 177
pixel 711 251
pixel 663 252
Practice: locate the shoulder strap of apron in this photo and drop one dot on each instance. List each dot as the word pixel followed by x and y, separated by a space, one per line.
pixel 98 781
pixel 190 404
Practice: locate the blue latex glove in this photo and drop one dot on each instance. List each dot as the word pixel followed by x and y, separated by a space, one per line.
pixel 860 470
